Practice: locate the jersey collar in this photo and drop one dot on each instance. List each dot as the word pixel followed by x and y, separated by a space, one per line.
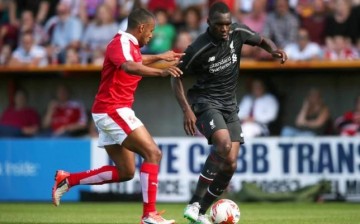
pixel 130 36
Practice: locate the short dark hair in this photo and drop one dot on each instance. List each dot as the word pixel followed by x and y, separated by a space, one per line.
pixel 139 16
pixel 218 7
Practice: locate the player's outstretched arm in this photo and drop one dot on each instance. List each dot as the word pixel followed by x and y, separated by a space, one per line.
pixel 146 71
pixel 269 46
pixel 189 116
pixel 169 56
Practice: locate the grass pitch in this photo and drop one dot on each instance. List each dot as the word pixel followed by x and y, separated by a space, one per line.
pixel 129 213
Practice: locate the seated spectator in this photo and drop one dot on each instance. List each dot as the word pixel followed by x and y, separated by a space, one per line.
pixel 19 120
pixel 257 110
pixel 168 5
pixel 5 55
pixel 98 34
pixel 256 18
pixel 349 123
pixel 163 35
pixel 72 57
pixel 183 40
pixel 28 54
pixel 64 117
pixel 340 49
pixel 303 49
pixel 313 118
pixel 39 8
pixel 193 23
pixel 256 21
pixel 315 23
pixel 281 25
pixel 340 23
pixel 67 31
pixel 29 25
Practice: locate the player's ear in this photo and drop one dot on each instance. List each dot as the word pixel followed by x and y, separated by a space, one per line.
pixel 141 28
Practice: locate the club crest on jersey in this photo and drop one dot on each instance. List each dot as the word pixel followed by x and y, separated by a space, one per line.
pixel 212 58
pixel 232 50
pixel 212 125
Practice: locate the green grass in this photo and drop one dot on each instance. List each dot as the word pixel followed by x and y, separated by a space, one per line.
pixel 129 213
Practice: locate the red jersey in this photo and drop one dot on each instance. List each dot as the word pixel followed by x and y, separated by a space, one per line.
pixel 117 87
pixel 19 118
pixel 71 112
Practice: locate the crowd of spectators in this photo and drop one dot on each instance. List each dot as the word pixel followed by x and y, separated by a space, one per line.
pixel 73 32
pixel 43 32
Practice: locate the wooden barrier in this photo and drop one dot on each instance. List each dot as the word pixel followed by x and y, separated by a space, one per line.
pixel 245 65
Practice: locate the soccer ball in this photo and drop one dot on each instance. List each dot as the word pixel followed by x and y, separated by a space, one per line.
pixel 225 211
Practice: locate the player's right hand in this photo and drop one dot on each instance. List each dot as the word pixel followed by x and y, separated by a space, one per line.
pixel 189 122
pixel 173 71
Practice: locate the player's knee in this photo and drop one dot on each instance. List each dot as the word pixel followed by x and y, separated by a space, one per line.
pixel 153 155
pixel 223 148
pixel 127 174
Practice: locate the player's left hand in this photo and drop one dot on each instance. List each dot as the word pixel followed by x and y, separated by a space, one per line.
pixel 280 54
pixel 171 56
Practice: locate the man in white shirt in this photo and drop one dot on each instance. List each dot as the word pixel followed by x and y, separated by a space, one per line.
pixel 257 110
pixel 28 53
pixel 303 49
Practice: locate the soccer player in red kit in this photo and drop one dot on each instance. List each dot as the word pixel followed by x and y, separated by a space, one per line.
pixel 121 133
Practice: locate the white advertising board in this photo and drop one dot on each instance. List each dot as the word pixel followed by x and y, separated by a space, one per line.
pixel 275 164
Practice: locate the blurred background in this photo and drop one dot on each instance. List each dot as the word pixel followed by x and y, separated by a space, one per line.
pixel 301 120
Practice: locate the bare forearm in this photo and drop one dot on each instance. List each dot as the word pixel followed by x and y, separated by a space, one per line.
pixel 178 88
pixel 43 11
pixel 141 70
pixel 148 58
pixel 268 45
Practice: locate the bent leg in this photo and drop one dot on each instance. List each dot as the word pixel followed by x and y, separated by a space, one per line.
pixel 141 142
pixel 123 170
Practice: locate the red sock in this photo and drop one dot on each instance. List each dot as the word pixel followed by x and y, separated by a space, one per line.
pixel 149 181
pixel 105 174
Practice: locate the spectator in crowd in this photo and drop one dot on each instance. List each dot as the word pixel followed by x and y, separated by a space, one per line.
pixel 67 31
pixel 28 54
pixel 349 123
pixel 340 23
pixel 257 109
pixel 193 21
pixel 72 57
pixel 183 40
pixel 8 35
pixel 281 25
pixel 40 9
pixel 98 34
pixel 256 21
pixel 315 23
pixel 64 117
pixel 19 120
pixel 29 25
pixel 168 5
pixel 303 49
pixel 88 9
pixel 5 55
pixel 313 118
pixel 340 49
pixel 184 4
pixel 164 34
pixel 257 16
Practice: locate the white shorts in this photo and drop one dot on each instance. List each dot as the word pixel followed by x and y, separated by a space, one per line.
pixel 115 127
